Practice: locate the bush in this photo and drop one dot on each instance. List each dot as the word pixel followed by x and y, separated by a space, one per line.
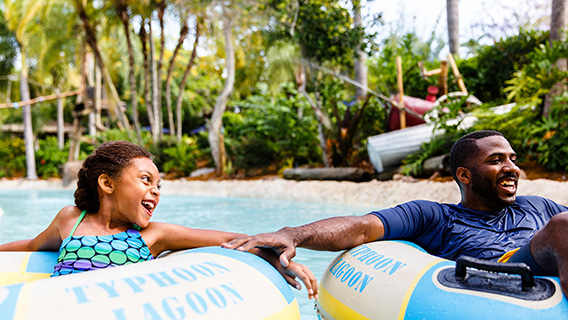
pixel 12 157
pixel 268 130
pixel 179 160
pixel 49 158
pixel 485 73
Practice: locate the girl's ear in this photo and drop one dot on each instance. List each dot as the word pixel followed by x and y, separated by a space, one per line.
pixel 106 184
pixel 464 175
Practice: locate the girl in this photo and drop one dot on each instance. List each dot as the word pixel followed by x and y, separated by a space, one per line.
pixel 118 190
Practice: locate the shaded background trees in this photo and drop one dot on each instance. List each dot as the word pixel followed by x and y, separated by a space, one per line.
pixel 275 84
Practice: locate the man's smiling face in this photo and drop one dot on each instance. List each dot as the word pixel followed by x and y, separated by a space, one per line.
pixel 494 174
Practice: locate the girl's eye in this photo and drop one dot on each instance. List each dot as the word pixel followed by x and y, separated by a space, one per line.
pixel 159 187
pixel 147 179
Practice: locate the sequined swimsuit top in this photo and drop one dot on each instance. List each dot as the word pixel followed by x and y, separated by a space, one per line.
pixel 85 253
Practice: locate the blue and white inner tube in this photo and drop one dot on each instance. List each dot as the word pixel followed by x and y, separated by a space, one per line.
pixel 203 283
pixel 399 280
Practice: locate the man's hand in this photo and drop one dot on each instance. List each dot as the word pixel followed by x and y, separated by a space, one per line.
pixel 280 242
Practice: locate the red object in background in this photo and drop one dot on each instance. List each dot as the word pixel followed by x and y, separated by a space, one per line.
pixel 432 93
pixel 417 105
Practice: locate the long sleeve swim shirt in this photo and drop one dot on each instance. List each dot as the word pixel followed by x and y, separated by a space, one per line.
pixel 451 230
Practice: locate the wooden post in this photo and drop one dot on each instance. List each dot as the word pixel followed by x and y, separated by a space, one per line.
pixel 402 113
pixel 457 74
pixel 443 78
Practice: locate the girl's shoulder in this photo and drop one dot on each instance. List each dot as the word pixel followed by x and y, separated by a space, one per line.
pixel 67 217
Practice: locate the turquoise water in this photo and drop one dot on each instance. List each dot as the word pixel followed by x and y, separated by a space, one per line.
pixel 28 212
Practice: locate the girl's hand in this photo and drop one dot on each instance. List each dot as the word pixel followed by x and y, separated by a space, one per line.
pixel 303 273
pixel 291 272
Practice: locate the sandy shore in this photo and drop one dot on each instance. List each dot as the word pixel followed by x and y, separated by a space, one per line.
pixel 378 194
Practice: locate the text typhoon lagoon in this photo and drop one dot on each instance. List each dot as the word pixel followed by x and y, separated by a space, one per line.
pixel 356 279
pixel 199 301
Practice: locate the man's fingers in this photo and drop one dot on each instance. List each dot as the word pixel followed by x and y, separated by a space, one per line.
pixel 235 243
pixel 286 255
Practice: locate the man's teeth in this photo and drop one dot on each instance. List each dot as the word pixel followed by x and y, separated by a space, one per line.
pixel 148 204
pixel 508 184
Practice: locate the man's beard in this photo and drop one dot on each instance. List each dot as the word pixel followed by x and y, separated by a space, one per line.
pixel 487 189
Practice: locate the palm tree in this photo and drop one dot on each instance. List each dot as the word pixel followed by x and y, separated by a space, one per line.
pixel 215 123
pixel 183 32
pixel 122 11
pixel 18 16
pixel 184 80
pixel 557 33
pixel 91 38
pixel 452 8
pixel 361 58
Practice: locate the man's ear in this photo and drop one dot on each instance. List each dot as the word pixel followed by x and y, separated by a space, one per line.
pixel 106 184
pixel 464 175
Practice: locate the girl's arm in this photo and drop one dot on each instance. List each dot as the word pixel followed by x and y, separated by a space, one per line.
pixel 164 236
pixel 48 240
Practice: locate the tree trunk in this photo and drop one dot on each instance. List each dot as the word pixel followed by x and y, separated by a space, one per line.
pixel 182 35
pixel 214 125
pixel 60 122
pixel 557 33
pixel 27 115
pixel 360 62
pixel 122 9
pixel 155 93
pixel 91 38
pixel 161 11
pixel 184 79
pixel 453 26
pixel 147 93
pixel 320 116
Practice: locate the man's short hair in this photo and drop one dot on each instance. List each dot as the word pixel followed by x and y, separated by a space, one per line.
pixel 466 147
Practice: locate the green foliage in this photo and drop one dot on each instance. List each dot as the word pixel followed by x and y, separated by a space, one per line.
pixel 268 130
pixel 323 29
pixel 8 48
pixel 180 158
pixel 534 80
pixel 530 134
pixel 49 158
pixel 487 71
pixel 12 156
pixel 382 68
pixel 447 116
pixel 412 165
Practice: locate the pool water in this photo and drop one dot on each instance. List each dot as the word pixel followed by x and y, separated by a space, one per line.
pixel 28 212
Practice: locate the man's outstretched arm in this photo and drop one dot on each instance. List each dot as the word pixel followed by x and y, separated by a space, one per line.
pixel 331 234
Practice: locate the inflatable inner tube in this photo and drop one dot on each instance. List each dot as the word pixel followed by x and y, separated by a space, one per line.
pixel 399 280
pixel 203 283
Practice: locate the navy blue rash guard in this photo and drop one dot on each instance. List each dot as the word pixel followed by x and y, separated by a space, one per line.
pixel 451 230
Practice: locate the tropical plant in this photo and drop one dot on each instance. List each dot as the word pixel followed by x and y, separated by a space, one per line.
pixel 268 130
pixel 50 159
pixel 488 70
pixel 12 156
pixel 179 160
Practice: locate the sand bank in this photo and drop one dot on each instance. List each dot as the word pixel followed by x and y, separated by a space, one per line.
pixel 378 194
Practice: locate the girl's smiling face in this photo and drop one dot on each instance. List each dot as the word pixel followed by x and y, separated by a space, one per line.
pixel 138 191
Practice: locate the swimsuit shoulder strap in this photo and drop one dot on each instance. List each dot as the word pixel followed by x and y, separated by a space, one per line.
pixel 78 221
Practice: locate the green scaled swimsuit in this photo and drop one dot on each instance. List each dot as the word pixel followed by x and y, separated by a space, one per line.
pixel 85 253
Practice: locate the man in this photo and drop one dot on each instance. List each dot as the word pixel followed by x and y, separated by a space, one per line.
pixel 490 222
